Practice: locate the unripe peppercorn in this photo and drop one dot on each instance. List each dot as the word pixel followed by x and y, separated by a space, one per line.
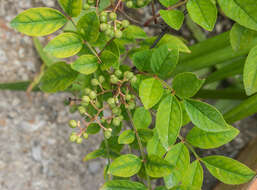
pixel 133 79
pixel 90 2
pixel 140 3
pixel 113 16
pixel 118 73
pixel 108 133
pixel 114 79
pixel 128 75
pixel 128 97
pixel 101 79
pixel 92 95
pixel 94 82
pixel 73 137
pixel 125 23
pixel 73 123
pixel 103 13
pixel 118 34
pixel 86 99
pixel 116 121
pixel 79 140
pixel 131 106
pixel 82 110
pixel 85 135
pixel 103 27
pixel 86 6
pixel 87 90
pixel 129 4
pixel 103 18
pixel 111 101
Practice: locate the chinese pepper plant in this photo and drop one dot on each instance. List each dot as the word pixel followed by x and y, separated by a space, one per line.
pixel 140 90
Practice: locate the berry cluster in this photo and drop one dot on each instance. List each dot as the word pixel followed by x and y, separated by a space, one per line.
pixel 89 3
pixel 110 25
pixel 104 107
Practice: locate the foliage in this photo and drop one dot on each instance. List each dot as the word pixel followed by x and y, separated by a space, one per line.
pixel 136 106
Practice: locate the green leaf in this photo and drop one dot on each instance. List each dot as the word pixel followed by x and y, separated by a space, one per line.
pixel 150 92
pixel 38 21
pixel 168 3
pixel 103 4
pixel 154 146
pixel 181 86
pixel 125 166
pixel 71 7
pixel 250 72
pixel 86 64
pixel 207 140
pixel 127 137
pixel 174 18
pixel 164 61
pixel 158 167
pixel 123 185
pixel 93 155
pixel 185 116
pixel 203 12
pixel 183 187
pixel 145 134
pixel 227 170
pixel 64 45
pixel 205 116
pixel 168 120
pixel 240 37
pixel 174 43
pixel 142 60
pixel 241 11
pixel 108 59
pixel 133 32
pixel 88 26
pixel 178 156
pixel 142 118
pixel 57 77
pixel 193 175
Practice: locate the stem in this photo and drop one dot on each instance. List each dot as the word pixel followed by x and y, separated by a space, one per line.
pixel 231 94
pixel 189 146
pixel 108 156
pixel 118 4
pixel 140 148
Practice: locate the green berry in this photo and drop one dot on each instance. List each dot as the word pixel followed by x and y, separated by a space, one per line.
pixel 73 123
pixel 128 97
pixel 82 110
pixel 118 34
pixel 90 2
pixel 140 3
pixel 85 135
pixel 108 133
pixel 125 23
pixel 103 18
pixel 94 82
pixel 113 16
pixel 118 73
pixel 103 27
pixel 114 79
pixel 103 13
pixel 92 95
pixel 133 80
pixel 131 106
pixel 111 101
pixel 128 75
pixel 129 4
pixel 86 99
pixel 79 140
pixel 87 91
pixel 111 34
pixel 121 118
pixel 108 31
pixel 86 6
pixel 116 121
pixel 73 137
pixel 101 79
pixel 118 25
pixel 116 110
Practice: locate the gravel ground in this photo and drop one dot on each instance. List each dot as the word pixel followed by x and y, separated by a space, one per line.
pixel 35 151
